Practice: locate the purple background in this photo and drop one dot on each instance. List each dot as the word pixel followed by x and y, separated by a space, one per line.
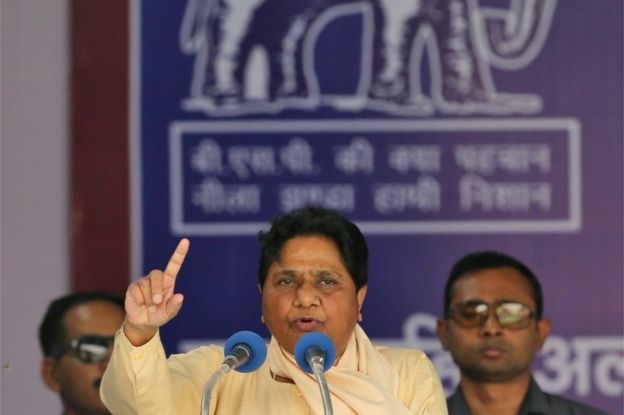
pixel 578 74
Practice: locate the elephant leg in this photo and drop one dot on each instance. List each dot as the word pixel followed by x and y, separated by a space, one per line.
pixel 281 40
pixel 462 75
pixel 230 36
pixel 221 83
pixel 463 82
pixel 295 77
pixel 397 23
pixel 292 80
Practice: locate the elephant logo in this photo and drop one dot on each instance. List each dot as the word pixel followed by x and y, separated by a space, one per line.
pixel 257 56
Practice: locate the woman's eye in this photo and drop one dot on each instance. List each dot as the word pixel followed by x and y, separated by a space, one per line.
pixel 328 281
pixel 285 281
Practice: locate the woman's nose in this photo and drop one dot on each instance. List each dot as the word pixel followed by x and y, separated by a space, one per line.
pixel 307 295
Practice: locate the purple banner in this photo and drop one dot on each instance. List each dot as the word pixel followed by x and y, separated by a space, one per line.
pixel 439 127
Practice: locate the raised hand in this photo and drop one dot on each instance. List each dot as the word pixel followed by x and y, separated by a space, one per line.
pixel 151 301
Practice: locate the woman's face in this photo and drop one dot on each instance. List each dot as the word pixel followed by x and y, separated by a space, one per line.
pixel 309 289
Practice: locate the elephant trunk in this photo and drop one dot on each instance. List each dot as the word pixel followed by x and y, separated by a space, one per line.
pixel 511 39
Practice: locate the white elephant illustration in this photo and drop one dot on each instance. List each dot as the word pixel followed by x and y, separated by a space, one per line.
pixel 462 40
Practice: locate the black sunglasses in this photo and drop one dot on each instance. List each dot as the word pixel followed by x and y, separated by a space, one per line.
pixel 88 349
pixel 509 314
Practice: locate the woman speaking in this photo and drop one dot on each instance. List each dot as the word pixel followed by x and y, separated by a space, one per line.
pixel 312 276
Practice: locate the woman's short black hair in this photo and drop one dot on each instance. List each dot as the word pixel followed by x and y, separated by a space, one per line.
pixel 311 221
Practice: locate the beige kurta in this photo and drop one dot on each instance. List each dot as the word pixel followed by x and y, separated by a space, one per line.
pixel 140 380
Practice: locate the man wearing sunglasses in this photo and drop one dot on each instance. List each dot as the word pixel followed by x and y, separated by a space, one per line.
pixel 76 337
pixel 493 328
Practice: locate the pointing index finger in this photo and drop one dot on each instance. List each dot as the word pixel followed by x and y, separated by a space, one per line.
pixel 176 260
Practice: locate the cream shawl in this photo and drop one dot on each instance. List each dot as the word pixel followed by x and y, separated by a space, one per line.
pixel 361 382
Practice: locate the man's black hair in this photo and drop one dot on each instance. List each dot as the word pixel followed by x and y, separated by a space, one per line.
pixel 479 261
pixel 52 332
pixel 315 221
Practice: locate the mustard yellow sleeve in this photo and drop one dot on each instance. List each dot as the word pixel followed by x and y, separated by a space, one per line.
pixel 136 380
pixel 420 388
pixel 141 380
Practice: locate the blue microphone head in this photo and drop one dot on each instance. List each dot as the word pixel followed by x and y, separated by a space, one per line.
pixel 254 343
pixel 318 341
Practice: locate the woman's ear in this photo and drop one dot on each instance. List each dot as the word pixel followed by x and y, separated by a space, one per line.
pixel 48 373
pixel 361 294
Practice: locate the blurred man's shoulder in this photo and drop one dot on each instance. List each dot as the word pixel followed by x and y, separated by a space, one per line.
pixel 563 405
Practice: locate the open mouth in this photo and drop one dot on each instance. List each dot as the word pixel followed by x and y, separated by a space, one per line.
pixel 307 324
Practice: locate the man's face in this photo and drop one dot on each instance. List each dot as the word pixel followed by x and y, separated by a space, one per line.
pixel 76 382
pixel 309 289
pixel 490 352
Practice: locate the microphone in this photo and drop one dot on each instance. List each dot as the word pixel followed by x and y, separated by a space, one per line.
pixel 244 352
pixel 315 353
